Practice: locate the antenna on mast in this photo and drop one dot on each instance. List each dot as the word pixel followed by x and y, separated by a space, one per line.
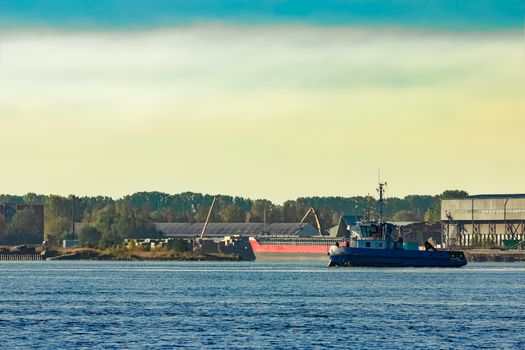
pixel 381 191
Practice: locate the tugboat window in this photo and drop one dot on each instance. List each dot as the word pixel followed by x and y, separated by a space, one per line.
pixel 370 231
pixel 367 244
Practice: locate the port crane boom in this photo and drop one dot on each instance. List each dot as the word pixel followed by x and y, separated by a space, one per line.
pixel 317 221
pixel 207 218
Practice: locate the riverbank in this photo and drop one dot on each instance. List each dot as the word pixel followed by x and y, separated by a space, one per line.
pixel 122 254
pixel 135 255
pixel 494 255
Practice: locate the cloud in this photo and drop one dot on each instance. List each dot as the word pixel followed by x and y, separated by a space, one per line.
pixel 245 105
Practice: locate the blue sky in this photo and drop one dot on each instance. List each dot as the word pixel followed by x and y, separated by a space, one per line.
pixel 264 99
pixel 433 14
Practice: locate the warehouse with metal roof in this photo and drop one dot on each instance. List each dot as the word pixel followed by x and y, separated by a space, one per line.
pixel 486 220
pixel 175 229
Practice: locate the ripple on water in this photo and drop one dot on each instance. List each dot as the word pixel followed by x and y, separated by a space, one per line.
pixel 99 305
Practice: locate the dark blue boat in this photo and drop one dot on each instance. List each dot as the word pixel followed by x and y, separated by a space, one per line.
pixel 397 257
pixel 375 245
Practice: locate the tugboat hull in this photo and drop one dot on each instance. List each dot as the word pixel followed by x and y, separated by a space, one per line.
pixel 349 256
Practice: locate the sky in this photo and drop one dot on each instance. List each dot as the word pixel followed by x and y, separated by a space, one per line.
pixel 262 99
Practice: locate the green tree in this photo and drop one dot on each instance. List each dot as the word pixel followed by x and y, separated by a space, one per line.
pixel 179 246
pixel 259 209
pixel 232 213
pixel 166 214
pixel 33 198
pixel 202 211
pixel 407 215
pixel 433 213
pixel 134 223
pixel 3 230
pixel 58 222
pixel 326 215
pixel 90 236
pixel 24 228
pixel 292 211
pixel 454 194
pixel 104 220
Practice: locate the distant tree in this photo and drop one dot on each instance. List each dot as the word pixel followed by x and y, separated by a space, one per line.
pixel 433 213
pixel 3 230
pixel 145 224
pixel 24 228
pixel 259 209
pixel 58 222
pixel 153 200
pixel 407 215
pixel 89 236
pixel 89 204
pixel 244 203
pixel 33 198
pixel 326 215
pixel 232 213
pixel 179 246
pixel 134 215
pixel 134 223
pixel 7 198
pixel 292 211
pixel 418 203
pixel 166 214
pixel 103 220
pixel 185 216
pixel 454 194
pixel 204 207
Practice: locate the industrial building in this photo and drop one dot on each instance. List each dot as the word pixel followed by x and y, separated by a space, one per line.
pixel 347 223
pixel 493 220
pixel 219 230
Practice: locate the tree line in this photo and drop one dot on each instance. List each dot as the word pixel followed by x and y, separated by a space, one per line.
pixel 107 221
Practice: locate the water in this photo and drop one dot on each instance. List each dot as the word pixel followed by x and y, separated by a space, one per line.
pixel 104 305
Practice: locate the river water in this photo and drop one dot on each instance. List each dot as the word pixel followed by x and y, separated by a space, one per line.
pixel 250 305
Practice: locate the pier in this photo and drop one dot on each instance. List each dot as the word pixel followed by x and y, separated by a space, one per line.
pixel 20 257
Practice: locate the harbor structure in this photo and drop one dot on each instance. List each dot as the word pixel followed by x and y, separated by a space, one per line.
pixel 70 243
pixel 150 243
pixel 486 220
pixel 220 230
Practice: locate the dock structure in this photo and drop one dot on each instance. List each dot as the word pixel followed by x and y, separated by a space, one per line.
pixel 21 257
pixel 490 221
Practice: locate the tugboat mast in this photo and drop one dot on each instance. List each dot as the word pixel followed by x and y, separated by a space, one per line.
pixel 381 190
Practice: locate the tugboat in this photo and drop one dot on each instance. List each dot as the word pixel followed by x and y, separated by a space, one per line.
pixel 377 247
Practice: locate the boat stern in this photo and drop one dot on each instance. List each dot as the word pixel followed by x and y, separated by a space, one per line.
pixel 457 258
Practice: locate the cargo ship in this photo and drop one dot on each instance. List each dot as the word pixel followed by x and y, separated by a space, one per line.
pixel 303 243
pixel 292 246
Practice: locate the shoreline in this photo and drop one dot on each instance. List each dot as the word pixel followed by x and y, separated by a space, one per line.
pixel 494 255
pixel 111 254
pixel 119 254
pixel 131 255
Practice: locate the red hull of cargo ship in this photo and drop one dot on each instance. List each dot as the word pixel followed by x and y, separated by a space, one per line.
pixel 315 247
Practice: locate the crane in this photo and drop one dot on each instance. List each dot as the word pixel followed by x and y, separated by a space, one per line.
pixel 207 218
pixel 317 221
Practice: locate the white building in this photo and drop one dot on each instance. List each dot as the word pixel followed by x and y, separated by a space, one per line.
pixel 483 220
